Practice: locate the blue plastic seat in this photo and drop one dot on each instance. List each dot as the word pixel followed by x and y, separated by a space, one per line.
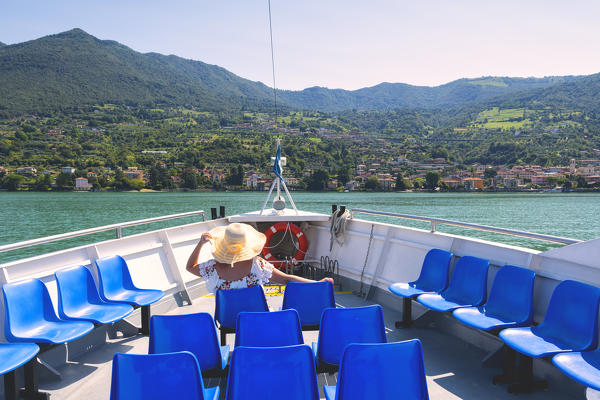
pixel 30 315
pixel 12 356
pixel 467 288
pixel 229 303
pixel 571 324
pixel 78 298
pixel 583 367
pixel 268 329
pixel 509 305
pixel 272 373
pixel 196 333
pixel 309 299
pixel 158 377
pixel 342 326
pixel 432 279
pixel 381 371
pixel 116 286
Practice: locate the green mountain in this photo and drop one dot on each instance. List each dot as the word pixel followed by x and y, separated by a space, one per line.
pixel 397 95
pixel 581 94
pixel 74 68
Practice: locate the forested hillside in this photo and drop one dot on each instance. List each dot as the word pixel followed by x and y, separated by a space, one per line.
pixel 74 68
pixel 387 96
pixel 72 99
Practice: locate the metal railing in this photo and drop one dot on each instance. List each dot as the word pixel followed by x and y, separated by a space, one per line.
pixel 117 227
pixel 468 225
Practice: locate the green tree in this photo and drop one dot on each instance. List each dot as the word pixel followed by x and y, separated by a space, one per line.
pixel 318 180
pixel 65 181
pixel 402 184
pixel 372 183
pixel 12 182
pixel 432 180
pixel 344 175
pixel 43 183
pixel 190 179
pixel 490 173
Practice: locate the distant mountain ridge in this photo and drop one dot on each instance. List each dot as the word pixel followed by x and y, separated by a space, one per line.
pixel 2 44
pixel 396 95
pixel 74 68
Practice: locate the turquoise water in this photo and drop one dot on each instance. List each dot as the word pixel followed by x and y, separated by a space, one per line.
pixel 32 215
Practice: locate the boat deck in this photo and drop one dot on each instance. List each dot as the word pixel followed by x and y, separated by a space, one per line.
pixel 453 367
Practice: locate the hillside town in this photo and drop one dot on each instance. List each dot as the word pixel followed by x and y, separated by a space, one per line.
pixel 398 174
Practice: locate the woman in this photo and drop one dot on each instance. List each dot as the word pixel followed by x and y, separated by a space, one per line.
pixel 235 263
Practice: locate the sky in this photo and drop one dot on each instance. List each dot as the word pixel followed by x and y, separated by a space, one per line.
pixel 347 44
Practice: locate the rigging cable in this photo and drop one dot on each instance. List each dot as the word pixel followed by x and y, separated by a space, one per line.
pixel 273 62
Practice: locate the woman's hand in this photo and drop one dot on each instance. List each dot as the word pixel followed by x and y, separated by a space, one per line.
pixel 205 238
pixel 330 280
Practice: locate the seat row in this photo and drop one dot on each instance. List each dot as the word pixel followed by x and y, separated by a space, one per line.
pixel 270 359
pixel 309 300
pixel 31 321
pixel 570 324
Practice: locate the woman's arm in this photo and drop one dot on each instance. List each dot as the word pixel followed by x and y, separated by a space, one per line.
pixel 193 260
pixel 281 277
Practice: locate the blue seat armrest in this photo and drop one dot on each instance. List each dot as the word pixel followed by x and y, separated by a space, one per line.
pixel 225 350
pixel 329 392
pixel 212 393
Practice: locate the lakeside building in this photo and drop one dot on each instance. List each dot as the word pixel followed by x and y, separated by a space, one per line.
pixel 133 173
pixel 31 171
pixel 82 184
pixel 473 183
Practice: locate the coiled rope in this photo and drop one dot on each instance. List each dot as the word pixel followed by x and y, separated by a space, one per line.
pixel 337 228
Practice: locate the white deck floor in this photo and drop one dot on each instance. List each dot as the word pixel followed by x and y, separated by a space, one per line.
pixel 453 367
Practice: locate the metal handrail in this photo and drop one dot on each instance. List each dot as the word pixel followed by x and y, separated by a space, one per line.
pixel 117 227
pixel 486 228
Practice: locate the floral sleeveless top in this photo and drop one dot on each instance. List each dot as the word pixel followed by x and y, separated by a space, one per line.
pixel 260 273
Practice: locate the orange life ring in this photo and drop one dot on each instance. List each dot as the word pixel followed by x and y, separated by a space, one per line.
pixel 282 227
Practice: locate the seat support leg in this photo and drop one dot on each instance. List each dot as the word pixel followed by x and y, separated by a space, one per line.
pixel 31 391
pixel 509 363
pixel 526 383
pixel 223 336
pixel 406 314
pixel 145 329
pixel 11 385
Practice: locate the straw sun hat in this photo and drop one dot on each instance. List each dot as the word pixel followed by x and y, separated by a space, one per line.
pixel 236 242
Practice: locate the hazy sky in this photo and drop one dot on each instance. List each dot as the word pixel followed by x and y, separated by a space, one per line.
pixel 337 43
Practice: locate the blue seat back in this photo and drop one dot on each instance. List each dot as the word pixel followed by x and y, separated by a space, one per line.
pixel 27 304
pixel 156 376
pixel 511 296
pixel 272 373
pixel 196 333
pixel 435 271
pixel 382 371
pixel 113 276
pixel 229 303
pixel 268 329
pixel 76 289
pixel 342 326
pixel 309 299
pixel 572 316
pixel 468 284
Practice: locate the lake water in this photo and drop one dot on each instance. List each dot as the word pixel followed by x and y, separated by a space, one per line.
pixel 32 215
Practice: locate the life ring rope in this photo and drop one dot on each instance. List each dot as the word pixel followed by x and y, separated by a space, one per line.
pixel 293 229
